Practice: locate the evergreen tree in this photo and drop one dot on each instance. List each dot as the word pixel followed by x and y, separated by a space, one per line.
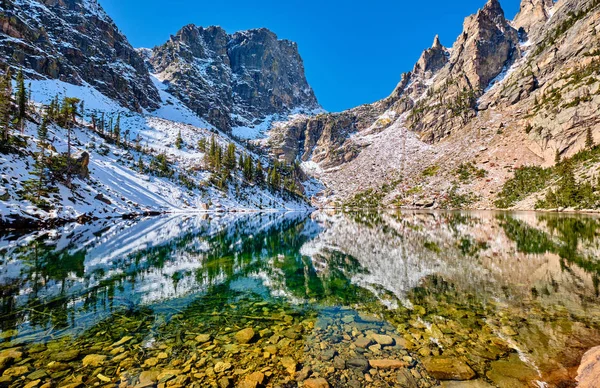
pixel 589 139
pixel 102 128
pixel 202 144
pixel 248 169
pixel 21 100
pixel 229 161
pixel 179 141
pixel 259 174
pixel 557 157
pixel 68 118
pixel 5 104
pixel 274 178
pixel 39 187
pixel 241 161
pixel 210 157
pixel 43 133
pixel 140 165
pixel 117 129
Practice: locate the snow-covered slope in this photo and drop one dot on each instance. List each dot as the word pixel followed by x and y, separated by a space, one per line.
pixel 116 186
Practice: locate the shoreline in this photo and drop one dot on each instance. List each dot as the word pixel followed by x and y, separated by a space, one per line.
pixel 20 223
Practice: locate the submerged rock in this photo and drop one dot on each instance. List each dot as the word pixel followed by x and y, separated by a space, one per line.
pixel 93 360
pixel 386 364
pixel 245 336
pixel 316 383
pixel 511 373
pixel 383 340
pixel 446 368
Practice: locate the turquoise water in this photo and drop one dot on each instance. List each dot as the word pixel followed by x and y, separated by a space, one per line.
pixel 377 299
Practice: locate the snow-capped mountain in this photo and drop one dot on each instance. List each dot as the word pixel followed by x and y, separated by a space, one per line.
pixel 131 121
pixel 77 42
pixel 231 80
pixel 236 80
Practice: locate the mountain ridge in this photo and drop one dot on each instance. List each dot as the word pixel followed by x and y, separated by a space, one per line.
pixel 236 79
pixel 476 105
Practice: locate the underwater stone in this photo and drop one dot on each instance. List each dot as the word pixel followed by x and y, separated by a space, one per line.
pixel 383 340
pixel 445 368
pixel 386 364
pixel 316 383
pixel 245 336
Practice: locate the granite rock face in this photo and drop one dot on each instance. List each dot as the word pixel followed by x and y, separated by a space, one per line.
pixel 77 42
pixel 232 80
pixel 532 15
pixel 504 95
pixel 438 95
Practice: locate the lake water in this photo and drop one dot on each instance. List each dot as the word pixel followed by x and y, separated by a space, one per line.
pixel 381 299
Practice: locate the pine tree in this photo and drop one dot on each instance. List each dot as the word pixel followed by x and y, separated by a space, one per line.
pixel 117 129
pixel 202 144
pixel 39 186
pixel 179 141
pixel 68 119
pixel 589 139
pixel 43 133
pixel 557 157
pixel 248 169
pixel 5 104
pixel 259 175
pixel 21 100
pixel 140 165
pixel 102 123
pixel 274 178
pixel 211 155
pixel 229 161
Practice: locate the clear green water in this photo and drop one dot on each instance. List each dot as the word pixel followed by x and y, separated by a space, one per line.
pixel 384 299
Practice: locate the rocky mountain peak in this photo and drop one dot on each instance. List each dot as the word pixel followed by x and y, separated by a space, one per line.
pixel 431 60
pixel 233 80
pixel 487 45
pixel 493 7
pixel 77 42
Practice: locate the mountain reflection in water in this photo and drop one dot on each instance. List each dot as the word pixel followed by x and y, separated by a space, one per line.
pixel 506 299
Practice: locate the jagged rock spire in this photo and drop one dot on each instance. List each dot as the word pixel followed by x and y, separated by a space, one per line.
pixel 487 45
pixel 432 59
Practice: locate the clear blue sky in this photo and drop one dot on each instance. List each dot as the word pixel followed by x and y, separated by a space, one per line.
pixel 354 51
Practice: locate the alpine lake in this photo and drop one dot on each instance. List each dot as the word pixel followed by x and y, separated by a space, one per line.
pixel 328 299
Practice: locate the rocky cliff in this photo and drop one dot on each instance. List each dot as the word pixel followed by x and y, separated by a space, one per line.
pixel 233 80
pixel 74 41
pixel 505 95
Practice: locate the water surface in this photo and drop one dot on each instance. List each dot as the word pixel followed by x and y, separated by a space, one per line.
pixel 378 299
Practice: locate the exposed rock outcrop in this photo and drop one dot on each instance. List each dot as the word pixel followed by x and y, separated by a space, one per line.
pixel 237 79
pixel 532 15
pixel 432 60
pixel 588 374
pixel 74 41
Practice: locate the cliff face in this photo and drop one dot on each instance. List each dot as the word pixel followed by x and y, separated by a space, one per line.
pixel 233 80
pixel 76 42
pixel 532 16
pixel 506 94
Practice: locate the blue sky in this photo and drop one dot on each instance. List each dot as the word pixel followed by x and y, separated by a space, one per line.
pixel 354 51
